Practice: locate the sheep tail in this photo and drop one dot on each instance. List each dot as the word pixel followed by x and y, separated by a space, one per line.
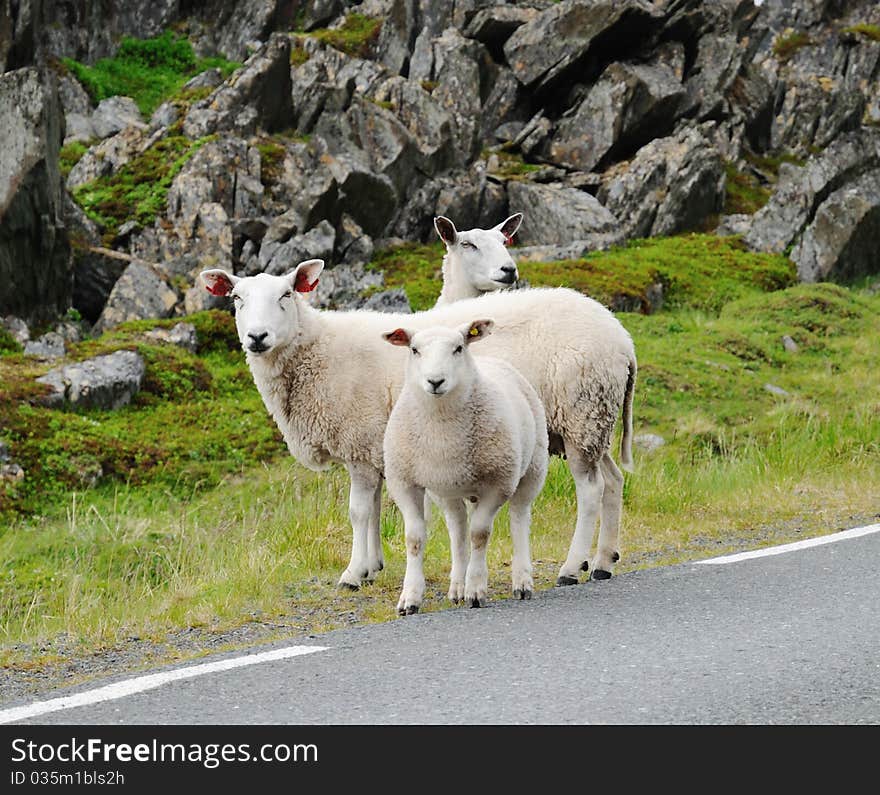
pixel 626 461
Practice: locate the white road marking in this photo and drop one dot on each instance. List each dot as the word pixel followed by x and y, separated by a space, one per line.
pixel 843 535
pixel 139 684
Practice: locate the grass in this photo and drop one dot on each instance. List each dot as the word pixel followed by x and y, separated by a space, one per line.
pixel 147 70
pixel 510 165
pixel 744 193
pixel 199 518
pixel 787 45
pixel 70 155
pixel 357 36
pixel 139 190
pixel 865 29
pixel 700 271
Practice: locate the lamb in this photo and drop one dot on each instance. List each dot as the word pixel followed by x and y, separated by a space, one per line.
pixel 477 261
pixel 330 383
pixel 463 430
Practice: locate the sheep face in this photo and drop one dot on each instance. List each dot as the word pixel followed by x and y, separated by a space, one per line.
pixel 482 254
pixel 439 361
pixel 266 307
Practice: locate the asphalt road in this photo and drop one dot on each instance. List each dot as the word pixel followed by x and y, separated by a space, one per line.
pixel 787 639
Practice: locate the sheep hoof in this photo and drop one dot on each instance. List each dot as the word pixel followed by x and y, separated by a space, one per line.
pixel 412 610
pixel 585 566
pixel 564 579
pixel 615 557
pixel 600 574
pixel 522 594
pixel 478 601
pixel 347 586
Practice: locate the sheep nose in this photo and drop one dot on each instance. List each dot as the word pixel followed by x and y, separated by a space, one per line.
pixel 436 384
pixel 509 272
pixel 257 343
pixel 258 338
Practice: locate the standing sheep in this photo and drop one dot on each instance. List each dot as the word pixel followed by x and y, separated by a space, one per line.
pixel 463 430
pixel 477 261
pixel 330 383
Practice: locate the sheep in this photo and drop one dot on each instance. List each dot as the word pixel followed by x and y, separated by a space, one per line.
pixel 463 430
pixel 477 261
pixel 330 382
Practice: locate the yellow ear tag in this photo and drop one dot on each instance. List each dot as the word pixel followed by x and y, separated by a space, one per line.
pixel 474 332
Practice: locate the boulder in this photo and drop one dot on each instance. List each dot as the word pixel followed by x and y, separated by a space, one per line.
pixel 183 335
pixel 107 157
pixel 342 287
pixel 36 269
pixel 104 382
pixel 494 26
pixel 394 301
pixel 256 97
pixel 549 48
pixel 353 245
pixel 48 346
pixel 113 115
pixel 279 258
pixel 841 242
pixel 557 215
pixel 17 328
pixel 673 184
pixel 369 198
pixel 139 293
pixel 628 106
pixel 800 191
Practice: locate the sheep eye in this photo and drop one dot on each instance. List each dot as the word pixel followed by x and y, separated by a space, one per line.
pixel 468 244
pixel 288 294
pixel 458 349
pixel 415 352
pixel 236 297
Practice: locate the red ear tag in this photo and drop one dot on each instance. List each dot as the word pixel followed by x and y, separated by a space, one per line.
pixel 220 286
pixel 302 284
pixel 508 239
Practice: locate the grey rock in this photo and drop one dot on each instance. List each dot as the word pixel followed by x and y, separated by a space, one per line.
pixel 841 242
pixel 4 452
pixel 648 442
pixel 164 116
pixel 70 331
pixel 74 98
pixel 280 258
pixel 49 346
pixel 387 301
pixel 736 224
pixel 115 114
pixel 628 106
pixel 139 293
pixel 104 382
pixel 718 61
pixel 11 472
pixel 96 270
pixel 183 335
pixel 198 299
pixel 776 390
pixel 342 287
pixel 353 245
pixel 316 13
pixel 17 328
pixel 789 344
pixel 258 96
pixel 671 185
pixel 78 127
pixel 800 191
pixel 557 215
pixel 210 78
pixel 107 157
pixel 752 97
pixel 398 34
pixel 549 48
pixel 493 26
pixel 35 261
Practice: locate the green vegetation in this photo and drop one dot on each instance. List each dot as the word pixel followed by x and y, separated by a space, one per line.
pixel 865 29
pixel 199 518
pixel 298 53
pixel 701 271
pixel 139 190
pixel 147 70
pixel 357 36
pixel 744 193
pixel 786 46
pixel 8 343
pixel 70 155
pixel 510 164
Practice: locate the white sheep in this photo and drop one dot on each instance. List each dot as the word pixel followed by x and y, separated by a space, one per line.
pixel 463 430
pixel 330 382
pixel 476 260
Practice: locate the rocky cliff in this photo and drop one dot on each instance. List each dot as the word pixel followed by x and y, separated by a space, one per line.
pixel 349 126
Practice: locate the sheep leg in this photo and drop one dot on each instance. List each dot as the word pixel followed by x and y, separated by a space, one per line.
pixel 589 484
pixel 455 513
pixel 364 481
pixel 410 500
pixel 520 528
pixel 376 558
pixel 609 523
pixel 476 583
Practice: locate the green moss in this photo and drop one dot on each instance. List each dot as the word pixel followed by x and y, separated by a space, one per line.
pixel 298 53
pixel 70 155
pixel 743 192
pixel 357 36
pixel 416 268
pixel 139 190
pixel 786 46
pixel 8 343
pixel 147 70
pixel 511 165
pixel 429 85
pixel 864 29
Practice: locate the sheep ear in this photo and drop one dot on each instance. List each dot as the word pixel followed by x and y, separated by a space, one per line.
pixel 400 336
pixel 305 277
pixel 446 229
pixel 219 282
pixel 509 226
pixel 477 330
